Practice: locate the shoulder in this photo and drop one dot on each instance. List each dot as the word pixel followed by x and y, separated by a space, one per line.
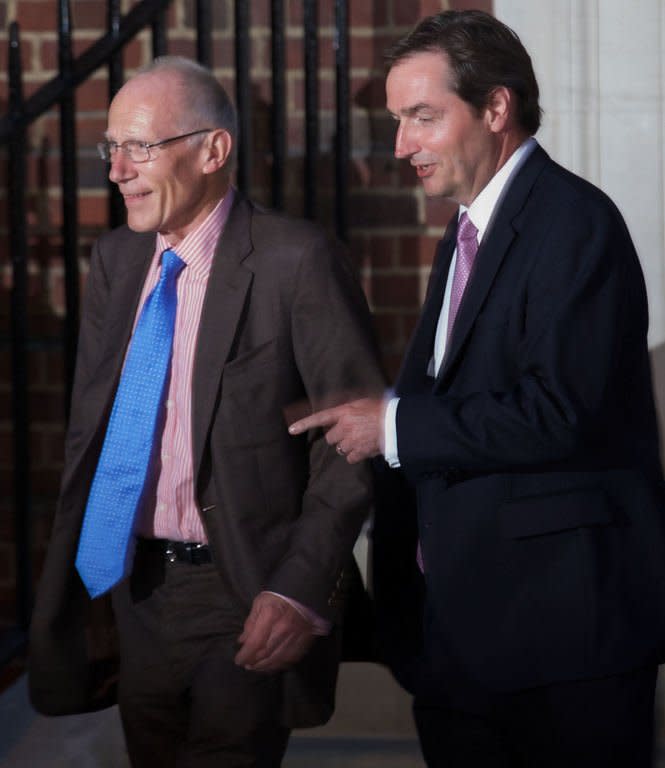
pixel 580 201
pixel 282 231
pixel 286 243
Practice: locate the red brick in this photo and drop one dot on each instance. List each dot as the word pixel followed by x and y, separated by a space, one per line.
pixel 406 13
pixel 467 5
pixel 368 14
pixel 367 210
pixel 401 290
pixel 417 250
pixel 382 251
pixel 37 15
pixel 92 95
pixel 326 13
pixel 181 47
pixel 369 94
pixel 222 14
pixel 223 53
pixel 93 210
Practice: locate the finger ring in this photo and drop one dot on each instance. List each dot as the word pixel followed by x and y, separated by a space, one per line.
pixel 339 450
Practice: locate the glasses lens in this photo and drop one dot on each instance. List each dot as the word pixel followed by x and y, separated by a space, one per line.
pixel 104 149
pixel 137 151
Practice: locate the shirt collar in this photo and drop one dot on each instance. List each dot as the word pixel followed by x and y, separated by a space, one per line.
pixel 198 247
pixel 481 209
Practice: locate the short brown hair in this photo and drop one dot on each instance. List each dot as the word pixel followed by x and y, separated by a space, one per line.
pixel 483 54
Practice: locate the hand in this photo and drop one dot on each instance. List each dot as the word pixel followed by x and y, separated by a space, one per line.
pixel 274 637
pixel 355 429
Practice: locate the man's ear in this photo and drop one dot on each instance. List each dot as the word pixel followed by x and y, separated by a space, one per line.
pixel 500 108
pixel 218 148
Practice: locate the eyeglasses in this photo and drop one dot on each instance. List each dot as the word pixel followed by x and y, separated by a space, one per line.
pixel 139 151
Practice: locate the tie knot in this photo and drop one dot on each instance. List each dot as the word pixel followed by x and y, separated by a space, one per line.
pixel 172 264
pixel 466 229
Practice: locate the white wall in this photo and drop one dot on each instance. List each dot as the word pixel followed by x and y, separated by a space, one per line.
pixel 600 65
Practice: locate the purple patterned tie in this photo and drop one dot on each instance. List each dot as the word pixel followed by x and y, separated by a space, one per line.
pixel 467 248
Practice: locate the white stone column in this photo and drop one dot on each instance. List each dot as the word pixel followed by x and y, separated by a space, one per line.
pixel 601 69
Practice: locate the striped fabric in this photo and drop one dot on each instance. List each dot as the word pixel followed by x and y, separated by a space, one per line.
pixel 175 515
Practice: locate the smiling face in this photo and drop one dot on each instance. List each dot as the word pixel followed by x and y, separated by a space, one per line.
pixel 455 149
pixel 175 191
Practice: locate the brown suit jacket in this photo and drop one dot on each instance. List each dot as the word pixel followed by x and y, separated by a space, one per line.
pixel 284 327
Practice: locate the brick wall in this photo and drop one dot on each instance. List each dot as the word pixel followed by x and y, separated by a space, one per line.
pixel 393 227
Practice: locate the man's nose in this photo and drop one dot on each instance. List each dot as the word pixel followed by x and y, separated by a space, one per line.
pixel 121 167
pixel 405 146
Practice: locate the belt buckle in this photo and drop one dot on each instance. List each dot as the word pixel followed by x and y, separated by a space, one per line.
pixel 170 552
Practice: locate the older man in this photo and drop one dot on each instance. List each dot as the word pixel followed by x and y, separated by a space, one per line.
pixel 222 541
pixel 524 418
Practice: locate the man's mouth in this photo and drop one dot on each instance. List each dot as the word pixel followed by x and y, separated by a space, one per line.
pixel 424 170
pixel 134 197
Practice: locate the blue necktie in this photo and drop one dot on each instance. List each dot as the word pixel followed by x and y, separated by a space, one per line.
pixel 106 548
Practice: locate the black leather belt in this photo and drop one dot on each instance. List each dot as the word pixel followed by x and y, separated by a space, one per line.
pixel 176 551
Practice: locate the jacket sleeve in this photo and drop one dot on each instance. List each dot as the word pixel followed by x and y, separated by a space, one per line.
pixel 336 357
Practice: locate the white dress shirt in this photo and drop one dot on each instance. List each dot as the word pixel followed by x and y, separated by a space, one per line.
pixel 481 211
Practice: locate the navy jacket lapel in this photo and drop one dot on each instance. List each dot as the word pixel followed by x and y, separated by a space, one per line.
pixel 494 247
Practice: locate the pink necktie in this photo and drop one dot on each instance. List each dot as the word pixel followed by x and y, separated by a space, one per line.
pixel 467 248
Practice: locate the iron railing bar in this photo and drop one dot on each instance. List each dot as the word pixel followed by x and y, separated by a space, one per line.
pixel 342 118
pixel 69 191
pixel 116 206
pixel 93 58
pixel 311 107
pixel 159 45
pixel 204 32
pixel 243 96
pixel 278 55
pixel 18 239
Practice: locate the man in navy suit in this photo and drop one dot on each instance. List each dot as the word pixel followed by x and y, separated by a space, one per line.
pixel 531 627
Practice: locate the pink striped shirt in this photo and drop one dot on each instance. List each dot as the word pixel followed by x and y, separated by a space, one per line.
pixel 176 516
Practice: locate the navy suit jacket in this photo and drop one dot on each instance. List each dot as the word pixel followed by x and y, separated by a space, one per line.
pixel 533 457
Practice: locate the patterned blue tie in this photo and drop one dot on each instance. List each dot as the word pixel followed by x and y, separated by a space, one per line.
pixel 106 548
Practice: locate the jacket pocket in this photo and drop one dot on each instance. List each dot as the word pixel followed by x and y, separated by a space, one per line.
pixel 539 515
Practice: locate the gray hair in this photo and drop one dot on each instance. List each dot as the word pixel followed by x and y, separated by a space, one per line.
pixel 205 103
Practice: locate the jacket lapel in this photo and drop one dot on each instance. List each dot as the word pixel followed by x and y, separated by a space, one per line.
pixel 496 243
pixel 228 284
pixel 125 299
pixel 412 373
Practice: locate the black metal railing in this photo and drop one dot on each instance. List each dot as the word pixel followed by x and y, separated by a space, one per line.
pixel 61 92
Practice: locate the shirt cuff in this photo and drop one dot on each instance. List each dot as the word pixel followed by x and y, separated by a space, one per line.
pixel 319 626
pixel 390 433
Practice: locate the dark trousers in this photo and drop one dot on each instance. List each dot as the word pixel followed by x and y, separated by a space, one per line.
pixel 183 701
pixel 602 723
